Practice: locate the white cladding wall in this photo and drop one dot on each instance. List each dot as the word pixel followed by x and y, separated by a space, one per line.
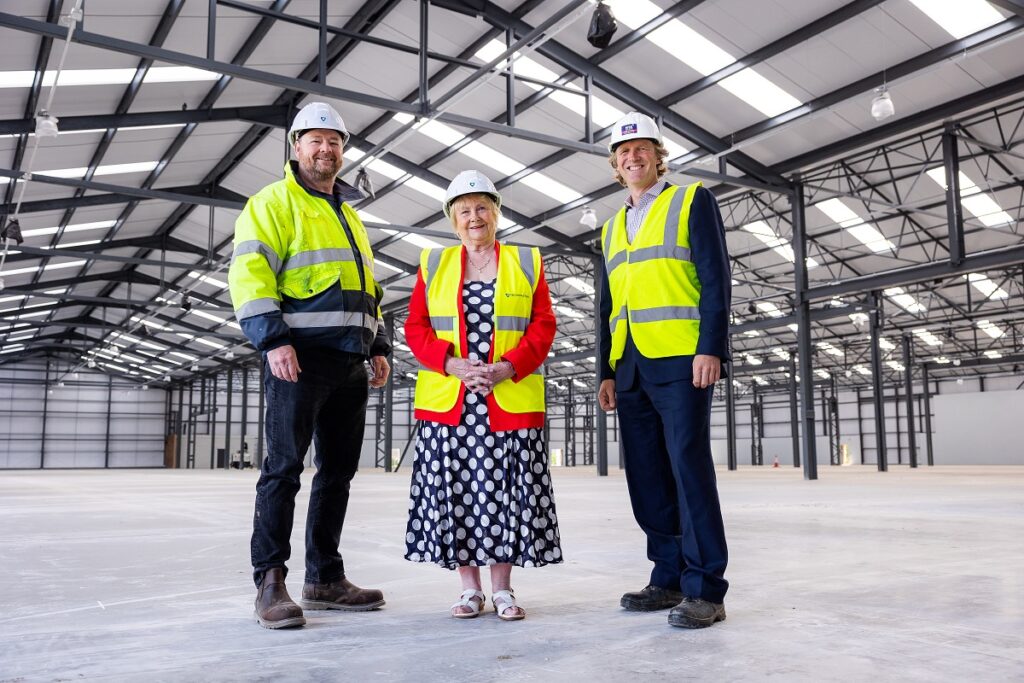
pixel 76 431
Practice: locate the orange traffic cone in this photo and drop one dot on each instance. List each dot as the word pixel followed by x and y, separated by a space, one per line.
pixel 776 462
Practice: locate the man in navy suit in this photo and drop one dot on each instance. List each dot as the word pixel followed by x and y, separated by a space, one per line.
pixel 665 318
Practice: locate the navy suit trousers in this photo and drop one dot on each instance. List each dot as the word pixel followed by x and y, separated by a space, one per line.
pixel 671 477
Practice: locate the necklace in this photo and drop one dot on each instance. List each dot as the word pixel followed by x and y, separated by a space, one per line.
pixel 480 269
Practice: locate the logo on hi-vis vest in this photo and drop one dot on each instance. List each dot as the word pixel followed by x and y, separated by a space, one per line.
pixel 508 294
pixel 627 129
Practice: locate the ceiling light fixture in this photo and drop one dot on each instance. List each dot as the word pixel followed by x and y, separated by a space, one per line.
pixel 882 106
pixel 588 218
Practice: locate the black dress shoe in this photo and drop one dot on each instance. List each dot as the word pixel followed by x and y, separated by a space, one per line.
pixel 650 599
pixel 696 613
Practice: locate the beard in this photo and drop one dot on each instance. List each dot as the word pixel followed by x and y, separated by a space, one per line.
pixel 321 168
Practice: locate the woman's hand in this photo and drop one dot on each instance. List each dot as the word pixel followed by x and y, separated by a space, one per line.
pixel 487 377
pixel 462 368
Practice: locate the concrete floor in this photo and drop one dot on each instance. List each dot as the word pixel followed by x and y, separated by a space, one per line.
pixel 144 575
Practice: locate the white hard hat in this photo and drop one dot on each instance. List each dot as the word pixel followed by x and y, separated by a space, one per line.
pixel 469 182
pixel 632 126
pixel 317 115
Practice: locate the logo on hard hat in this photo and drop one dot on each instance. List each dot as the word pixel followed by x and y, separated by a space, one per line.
pixel 472 183
pixel 628 128
pixel 323 118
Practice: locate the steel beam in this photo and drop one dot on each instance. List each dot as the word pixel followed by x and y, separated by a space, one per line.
pixel 268 115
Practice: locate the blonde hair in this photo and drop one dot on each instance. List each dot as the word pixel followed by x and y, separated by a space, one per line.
pixel 462 199
pixel 659 149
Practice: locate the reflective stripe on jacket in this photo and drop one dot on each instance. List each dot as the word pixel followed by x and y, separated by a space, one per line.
pixel 653 282
pixel 294 263
pixel 517 280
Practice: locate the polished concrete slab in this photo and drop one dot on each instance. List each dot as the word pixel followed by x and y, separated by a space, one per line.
pixel 143 575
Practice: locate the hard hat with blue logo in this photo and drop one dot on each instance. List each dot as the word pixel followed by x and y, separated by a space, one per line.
pixel 469 182
pixel 317 115
pixel 632 126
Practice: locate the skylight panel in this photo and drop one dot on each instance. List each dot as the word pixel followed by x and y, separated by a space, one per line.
pixel 579 284
pixel 569 311
pixel 601 112
pixel 822 373
pixel 781 353
pixel 927 337
pixel 990 328
pixel 11 349
pixel 861 370
pixel 766 234
pixel 70 77
pixel 760 380
pixel 980 205
pixel 896 365
pixel 109 169
pixel 21 337
pixel 769 308
pixel 830 349
pixel 50 266
pixel 704 57
pixel 866 233
pixel 885 344
pixel 987 287
pixel 991 353
pixel 960 18
pixel 752 360
pixel 941 360
pixel 195 275
pixel 97 225
pixel 906 301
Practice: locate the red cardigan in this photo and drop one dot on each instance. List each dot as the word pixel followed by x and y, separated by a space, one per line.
pixel 527 356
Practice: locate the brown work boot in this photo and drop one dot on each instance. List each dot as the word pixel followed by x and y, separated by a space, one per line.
pixel 341 594
pixel 274 607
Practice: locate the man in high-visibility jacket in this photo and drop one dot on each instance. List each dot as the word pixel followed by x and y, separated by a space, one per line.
pixel 665 313
pixel 304 293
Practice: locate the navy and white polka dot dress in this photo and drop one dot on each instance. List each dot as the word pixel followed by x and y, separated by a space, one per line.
pixel 480 497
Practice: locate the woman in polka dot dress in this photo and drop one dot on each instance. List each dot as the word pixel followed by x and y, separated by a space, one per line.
pixel 480 321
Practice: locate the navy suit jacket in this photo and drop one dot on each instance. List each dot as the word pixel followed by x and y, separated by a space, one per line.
pixel 709 254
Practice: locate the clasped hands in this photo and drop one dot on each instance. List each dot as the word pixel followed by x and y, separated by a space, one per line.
pixel 478 376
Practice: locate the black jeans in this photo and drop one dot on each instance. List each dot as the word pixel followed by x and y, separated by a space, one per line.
pixel 328 407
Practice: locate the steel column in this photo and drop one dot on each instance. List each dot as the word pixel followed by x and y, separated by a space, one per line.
pixel 261 424
pixel 213 424
pixel 227 420
pixel 601 421
pixel 46 403
pixel 930 453
pixel 803 316
pixel 875 319
pixel 106 438
pixel 245 417
pixel 794 413
pixel 954 209
pixel 389 401
pixel 908 384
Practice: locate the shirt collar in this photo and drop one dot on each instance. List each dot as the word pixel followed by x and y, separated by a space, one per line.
pixel 654 190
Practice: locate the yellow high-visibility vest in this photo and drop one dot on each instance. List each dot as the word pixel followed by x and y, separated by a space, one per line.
pixel 653 281
pixel 518 272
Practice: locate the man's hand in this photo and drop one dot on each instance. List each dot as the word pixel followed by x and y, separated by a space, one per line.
pixel 284 364
pixel 606 395
pixel 381 369
pixel 706 370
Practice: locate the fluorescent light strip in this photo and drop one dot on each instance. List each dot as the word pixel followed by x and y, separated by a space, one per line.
pixel 11 349
pixel 866 233
pixel 769 308
pixel 764 232
pixel 830 349
pixel 568 311
pixel 986 286
pixel 579 284
pixel 70 77
pixel 703 56
pixel 978 204
pixel 195 275
pixel 959 18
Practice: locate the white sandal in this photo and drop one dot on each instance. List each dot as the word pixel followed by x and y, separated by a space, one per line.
pixel 473 599
pixel 504 601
